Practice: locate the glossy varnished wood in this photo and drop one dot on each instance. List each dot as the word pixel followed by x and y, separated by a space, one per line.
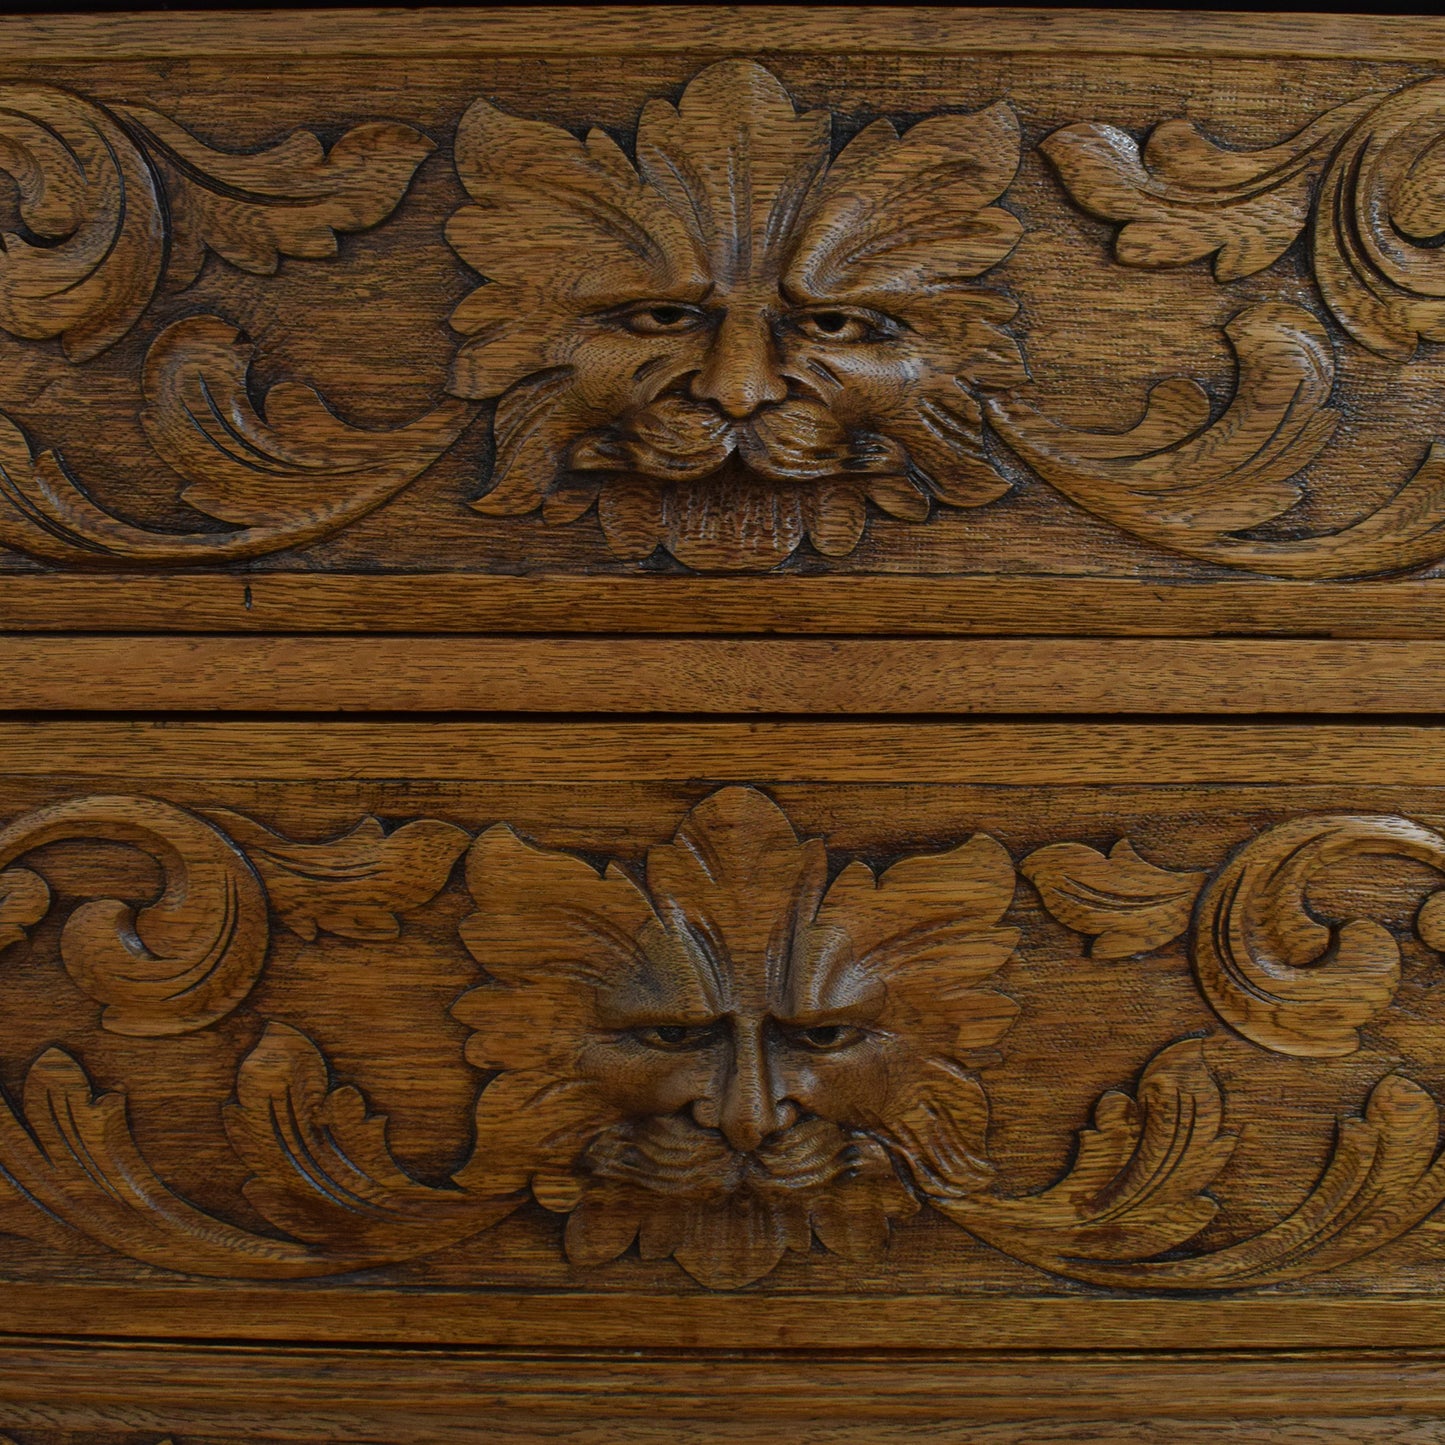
pixel 767 1074
pixel 608 28
pixel 980 464
pixel 1003 1399
pixel 702 675
pixel 1158 875
pixel 885 606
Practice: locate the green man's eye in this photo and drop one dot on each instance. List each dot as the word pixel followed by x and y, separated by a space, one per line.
pixel 661 318
pixel 677 1036
pixel 845 327
pixel 823 1038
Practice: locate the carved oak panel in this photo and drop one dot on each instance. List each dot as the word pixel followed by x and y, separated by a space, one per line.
pixel 713 1012
pixel 1038 316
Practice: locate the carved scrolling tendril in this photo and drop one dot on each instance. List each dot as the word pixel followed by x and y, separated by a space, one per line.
pixel 284 474
pixel 118 198
pixel 729 1054
pixel 725 339
pixel 1370 173
pixel 1192 483
pixel 117 195
pixel 324 1173
pixel 177 964
pixel 1270 969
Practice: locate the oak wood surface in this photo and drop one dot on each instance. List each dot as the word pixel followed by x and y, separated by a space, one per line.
pixel 702 675
pixel 205 391
pixel 585 1076
pixel 302 866
pixel 886 606
pixel 317 1394
pixel 611 28
pixel 1020 752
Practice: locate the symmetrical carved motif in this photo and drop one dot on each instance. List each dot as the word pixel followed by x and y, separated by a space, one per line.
pixel 733 338
pixel 733 342
pixel 735 1052
pixel 734 1049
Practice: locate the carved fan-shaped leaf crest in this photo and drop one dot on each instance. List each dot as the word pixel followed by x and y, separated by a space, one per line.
pixel 731 342
pixel 664 1040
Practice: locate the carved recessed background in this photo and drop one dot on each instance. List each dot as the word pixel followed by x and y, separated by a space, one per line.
pixel 833 1037
pixel 929 315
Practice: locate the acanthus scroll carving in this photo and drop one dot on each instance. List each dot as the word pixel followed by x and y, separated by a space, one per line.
pixel 1366 177
pixel 735 1050
pixel 121 201
pixel 731 336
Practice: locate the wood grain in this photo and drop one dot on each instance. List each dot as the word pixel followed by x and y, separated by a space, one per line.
pixel 247 1039
pixel 736 1042
pixel 1019 753
pixel 643 675
pixel 310 1395
pixel 609 29
pixel 886 606
pixel 821 391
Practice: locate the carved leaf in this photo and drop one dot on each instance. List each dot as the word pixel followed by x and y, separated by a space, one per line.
pixel 323 1170
pixel 24 900
pixel 353 885
pixel 1383 1178
pixel 1136 1186
pixel 291 459
pixel 1378 211
pixel 1379 223
pixel 289 199
pixel 1179 479
pixel 1187 484
pixel 73 1159
pixel 286 474
pixel 180 962
pixel 88 197
pixel 1123 903
pixel 911 214
pixel 735 120
pixel 1269 968
pixel 1187 197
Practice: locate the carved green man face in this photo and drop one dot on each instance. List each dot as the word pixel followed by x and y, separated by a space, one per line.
pixel 733 1055
pixel 737 339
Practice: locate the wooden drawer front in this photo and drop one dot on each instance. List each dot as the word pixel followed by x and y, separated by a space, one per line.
pixel 540 320
pixel 645 1036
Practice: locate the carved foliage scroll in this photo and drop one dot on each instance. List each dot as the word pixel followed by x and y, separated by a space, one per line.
pixel 119 198
pixel 726 336
pixel 281 475
pixel 115 196
pixel 177 964
pixel 731 1051
pixel 1368 173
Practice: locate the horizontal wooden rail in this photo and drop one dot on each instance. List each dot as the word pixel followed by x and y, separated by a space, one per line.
pixel 1032 754
pixel 632 29
pixel 694 675
pixel 437 1396
pixel 894 605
